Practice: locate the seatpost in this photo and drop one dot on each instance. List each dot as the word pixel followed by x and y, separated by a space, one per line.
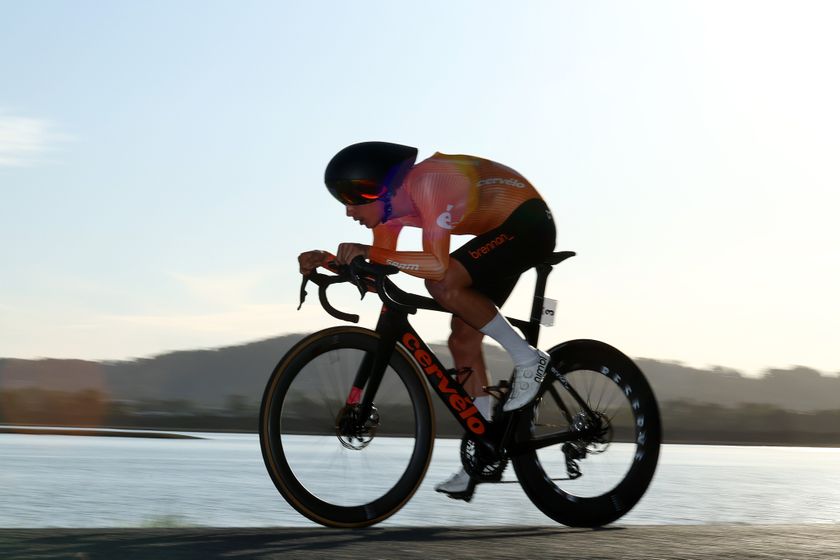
pixel 543 270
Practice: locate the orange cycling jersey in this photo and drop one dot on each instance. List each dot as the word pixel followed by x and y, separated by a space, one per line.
pixel 451 195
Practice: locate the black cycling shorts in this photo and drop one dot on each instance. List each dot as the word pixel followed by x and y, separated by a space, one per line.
pixel 496 259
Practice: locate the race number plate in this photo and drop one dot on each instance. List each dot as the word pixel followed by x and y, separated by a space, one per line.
pixel 549 305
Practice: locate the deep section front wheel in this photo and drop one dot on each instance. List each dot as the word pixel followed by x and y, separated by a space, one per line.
pixel 597 478
pixel 333 466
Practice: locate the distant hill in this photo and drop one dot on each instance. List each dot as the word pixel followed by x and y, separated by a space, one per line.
pixel 797 389
pixel 220 390
pixel 205 377
pixel 208 378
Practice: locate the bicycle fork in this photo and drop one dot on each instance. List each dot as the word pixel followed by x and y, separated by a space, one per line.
pixel 370 372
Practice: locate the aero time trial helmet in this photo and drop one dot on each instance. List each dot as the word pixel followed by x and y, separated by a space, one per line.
pixel 368 171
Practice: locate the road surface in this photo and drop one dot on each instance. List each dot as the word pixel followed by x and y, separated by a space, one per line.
pixel 718 542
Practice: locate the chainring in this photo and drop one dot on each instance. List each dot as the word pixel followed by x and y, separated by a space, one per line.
pixel 479 463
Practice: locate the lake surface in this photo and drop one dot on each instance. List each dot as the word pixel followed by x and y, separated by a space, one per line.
pixel 79 481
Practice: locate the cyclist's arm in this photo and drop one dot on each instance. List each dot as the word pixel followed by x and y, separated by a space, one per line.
pixel 438 201
pixel 430 264
pixel 385 236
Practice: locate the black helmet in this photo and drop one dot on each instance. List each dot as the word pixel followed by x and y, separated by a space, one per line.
pixel 368 171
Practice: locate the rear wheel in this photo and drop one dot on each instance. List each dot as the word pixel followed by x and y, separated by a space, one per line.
pixel 333 466
pixel 596 479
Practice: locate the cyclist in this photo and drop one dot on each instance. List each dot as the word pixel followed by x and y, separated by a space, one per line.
pixel 384 190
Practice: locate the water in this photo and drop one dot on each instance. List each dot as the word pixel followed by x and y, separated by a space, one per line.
pixel 77 481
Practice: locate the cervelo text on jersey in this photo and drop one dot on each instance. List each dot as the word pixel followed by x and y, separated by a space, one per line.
pixel 461 403
pixel 500 181
pixel 492 244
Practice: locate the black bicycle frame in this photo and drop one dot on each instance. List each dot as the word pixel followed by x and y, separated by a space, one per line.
pixel 393 328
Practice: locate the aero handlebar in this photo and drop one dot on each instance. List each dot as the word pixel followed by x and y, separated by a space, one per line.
pixel 367 277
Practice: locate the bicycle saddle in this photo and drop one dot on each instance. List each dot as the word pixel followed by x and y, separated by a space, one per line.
pixel 557 258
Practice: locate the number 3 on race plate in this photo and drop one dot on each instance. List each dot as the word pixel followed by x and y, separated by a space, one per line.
pixel 547 318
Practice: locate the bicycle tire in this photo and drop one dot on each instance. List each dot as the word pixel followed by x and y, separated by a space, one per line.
pixel 320 496
pixel 610 491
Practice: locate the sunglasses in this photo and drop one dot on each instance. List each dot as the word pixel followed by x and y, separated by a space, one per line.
pixel 356 192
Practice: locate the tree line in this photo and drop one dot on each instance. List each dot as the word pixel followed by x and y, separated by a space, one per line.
pixel 684 421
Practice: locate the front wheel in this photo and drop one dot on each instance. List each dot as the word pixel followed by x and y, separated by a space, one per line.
pixel 595 479
pixel 334 467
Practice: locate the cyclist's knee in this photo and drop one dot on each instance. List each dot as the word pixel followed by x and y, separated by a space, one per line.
pixel 439 290
pixel 447 288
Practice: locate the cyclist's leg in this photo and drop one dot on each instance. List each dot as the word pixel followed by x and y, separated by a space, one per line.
pixel 491 260
pixel 465 342
pixel 458 295
pixel 480 277
pixel 489 265
pixel 455 293
pixel 465 347
pixel 476 313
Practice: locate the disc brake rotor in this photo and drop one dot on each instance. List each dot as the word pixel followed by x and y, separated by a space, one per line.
pixel 353 432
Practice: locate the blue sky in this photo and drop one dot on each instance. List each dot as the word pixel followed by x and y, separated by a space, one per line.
pixel 161 164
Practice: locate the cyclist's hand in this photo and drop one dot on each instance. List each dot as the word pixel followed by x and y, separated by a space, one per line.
pixel 310 260
pixel 349 251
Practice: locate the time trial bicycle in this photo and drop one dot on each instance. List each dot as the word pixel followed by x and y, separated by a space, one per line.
pixel 347 423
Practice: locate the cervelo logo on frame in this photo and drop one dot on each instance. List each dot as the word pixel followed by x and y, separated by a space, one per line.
pixel 500 181
pixel 487 247
pixel 462 404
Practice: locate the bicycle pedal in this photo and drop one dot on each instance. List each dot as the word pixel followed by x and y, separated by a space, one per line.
pixel 498 391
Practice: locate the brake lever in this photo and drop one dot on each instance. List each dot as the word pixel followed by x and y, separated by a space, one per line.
pixel 303 293
pixel 358 282
pixel 358 275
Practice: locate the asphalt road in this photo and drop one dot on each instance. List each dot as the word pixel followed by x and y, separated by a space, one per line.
pixel 741 542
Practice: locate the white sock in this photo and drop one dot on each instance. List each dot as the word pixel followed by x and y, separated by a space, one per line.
pixel 484 404
pixel 502 332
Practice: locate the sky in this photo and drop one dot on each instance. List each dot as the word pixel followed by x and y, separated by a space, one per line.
pixel 161 165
